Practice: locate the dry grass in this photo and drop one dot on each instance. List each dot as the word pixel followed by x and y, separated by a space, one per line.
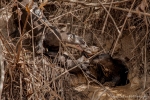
pixel 118 27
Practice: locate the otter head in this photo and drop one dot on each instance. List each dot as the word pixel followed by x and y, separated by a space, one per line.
pixel 102 59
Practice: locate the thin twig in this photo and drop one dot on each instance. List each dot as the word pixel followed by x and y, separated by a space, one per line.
pixel 95 4
pixel 21 90
pixel 119 35
pixel 19 44
pixel 145 52
pixel 131 11
pixel 2 75
pixel 107 17
pixel 74 46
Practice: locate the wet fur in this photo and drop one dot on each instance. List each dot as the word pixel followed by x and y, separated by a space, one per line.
pixel 113 72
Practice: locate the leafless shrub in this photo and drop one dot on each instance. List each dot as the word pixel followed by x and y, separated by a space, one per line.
pixel 118 27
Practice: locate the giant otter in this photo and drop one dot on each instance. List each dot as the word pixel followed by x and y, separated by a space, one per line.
pixel 114 71
pixel 46 35
pixel 42 33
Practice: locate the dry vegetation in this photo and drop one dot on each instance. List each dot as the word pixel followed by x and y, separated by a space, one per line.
pixel 120 27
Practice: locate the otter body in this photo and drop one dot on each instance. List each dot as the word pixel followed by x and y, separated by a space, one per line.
pixel 46 36
pixel 43 34
pixel 114 71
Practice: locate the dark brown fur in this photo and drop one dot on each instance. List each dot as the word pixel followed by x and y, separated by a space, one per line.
pixel 114 70
pixel 50 41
